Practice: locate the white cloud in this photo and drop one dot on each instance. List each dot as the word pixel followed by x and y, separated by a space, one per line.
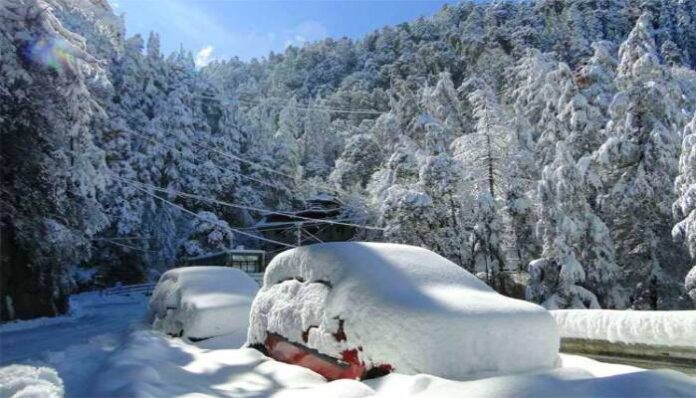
pixel 204 56
pixel 305 32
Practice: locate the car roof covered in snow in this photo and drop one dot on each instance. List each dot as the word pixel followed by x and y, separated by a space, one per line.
pixel 388 265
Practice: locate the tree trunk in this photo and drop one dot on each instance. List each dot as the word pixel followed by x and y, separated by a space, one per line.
pixel 25 290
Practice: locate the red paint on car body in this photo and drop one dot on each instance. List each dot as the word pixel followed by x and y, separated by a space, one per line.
pixel 348 367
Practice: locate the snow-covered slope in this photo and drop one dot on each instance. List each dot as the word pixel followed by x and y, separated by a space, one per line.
pixel 203 302
pixel 400 306
pixel 668 328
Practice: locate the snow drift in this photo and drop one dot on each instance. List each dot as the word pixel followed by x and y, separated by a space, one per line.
pixel 28 381
pixel 668 328
pixel 399 308
pixel 202 302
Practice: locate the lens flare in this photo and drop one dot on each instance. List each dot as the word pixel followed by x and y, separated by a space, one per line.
pixel 52 52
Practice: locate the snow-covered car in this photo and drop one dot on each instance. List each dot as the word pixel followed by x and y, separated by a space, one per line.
pixel 359 310
pixel 203 302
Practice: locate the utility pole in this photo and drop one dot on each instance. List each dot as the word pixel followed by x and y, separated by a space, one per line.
pixel 298 233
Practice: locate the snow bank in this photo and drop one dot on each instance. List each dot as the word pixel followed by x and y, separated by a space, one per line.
pixel 203 302
pixel 29 382
pixel 561 382
pixel 152 365
pixel 400 306
pixel 81 306
pixel 667 328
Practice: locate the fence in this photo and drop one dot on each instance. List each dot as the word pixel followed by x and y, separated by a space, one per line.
pixel 148 288
pixel 124 290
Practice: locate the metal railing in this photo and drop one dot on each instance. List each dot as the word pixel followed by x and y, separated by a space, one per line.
pixel 124 290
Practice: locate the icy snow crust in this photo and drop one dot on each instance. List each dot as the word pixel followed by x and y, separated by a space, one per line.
pixel 668 328
pixel 202 302
pixel 404 306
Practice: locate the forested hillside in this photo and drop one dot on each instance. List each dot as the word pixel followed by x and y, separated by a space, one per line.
pixel 552 137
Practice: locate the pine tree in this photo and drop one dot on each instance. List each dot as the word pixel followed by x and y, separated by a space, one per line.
pixel 483 154
pixel 52 172
pixel 359 160
pixel 638 162
pixel 287 149
pixel 208 235
pixel 315 141
pixel 576 242
pixel 684 207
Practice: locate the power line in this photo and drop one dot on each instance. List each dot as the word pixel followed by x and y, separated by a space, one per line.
pixel 306 108
pixel 151 139
pixel 245 207
pixel 280 227
pixel 187 211
pixel 113 242
pixel 242 160
pixel 123 238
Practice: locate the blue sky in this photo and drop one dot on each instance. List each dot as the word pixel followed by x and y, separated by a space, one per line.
pixel 219 29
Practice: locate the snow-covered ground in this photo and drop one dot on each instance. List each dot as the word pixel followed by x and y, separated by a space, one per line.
pixel 104 349
pixel 152 365
pixel 665 328
pixel 76 345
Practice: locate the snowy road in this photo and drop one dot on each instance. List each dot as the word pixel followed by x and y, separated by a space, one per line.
pixel 76 345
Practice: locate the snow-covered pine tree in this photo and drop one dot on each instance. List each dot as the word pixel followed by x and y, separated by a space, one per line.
pixel 439 177
pixel 360 158
pixel 208 235
pixel 442 103
pixel 51 170
pixel 638 163
pixel 483 155
pixel 558 278
pixel 287 151
pixel 684 207
pixel 314 143
pixel 596 78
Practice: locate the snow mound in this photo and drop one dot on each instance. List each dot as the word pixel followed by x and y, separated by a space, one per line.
pixel 203 302
pixel 30 382
pixel 666 328
pixel 400 307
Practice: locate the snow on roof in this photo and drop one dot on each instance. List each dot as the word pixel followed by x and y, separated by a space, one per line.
pixel 203 301
pixel 403 306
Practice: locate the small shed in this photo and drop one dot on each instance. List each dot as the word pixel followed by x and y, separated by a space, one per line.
pixel 247 260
